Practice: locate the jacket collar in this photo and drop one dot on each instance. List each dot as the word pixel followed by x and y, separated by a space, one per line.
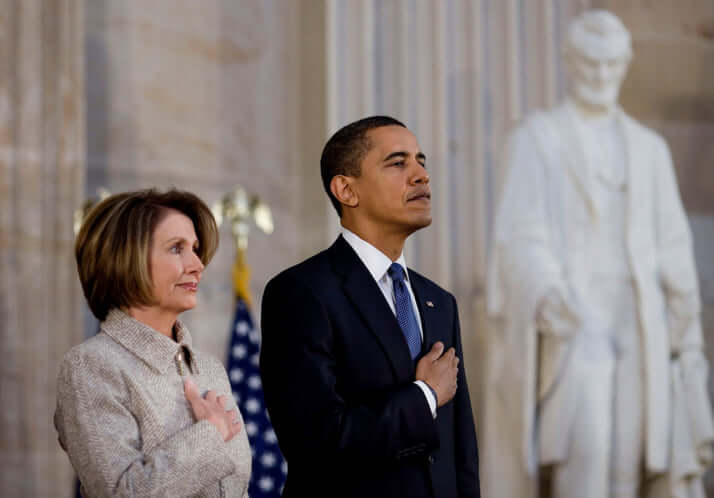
pixel 365 295
pixel 149 345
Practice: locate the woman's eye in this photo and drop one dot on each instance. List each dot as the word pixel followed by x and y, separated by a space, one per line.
pixel 176 249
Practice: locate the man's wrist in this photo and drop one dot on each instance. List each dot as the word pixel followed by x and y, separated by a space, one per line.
pixel 430 396
pixel 433 393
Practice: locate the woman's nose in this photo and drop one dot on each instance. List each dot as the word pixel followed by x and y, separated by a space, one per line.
pixel 195 263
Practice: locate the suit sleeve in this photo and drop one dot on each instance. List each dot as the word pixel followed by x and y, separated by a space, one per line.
pixel 301 386
pixel 464 430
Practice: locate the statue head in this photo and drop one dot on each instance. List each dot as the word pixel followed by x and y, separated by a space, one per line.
pixel 597 53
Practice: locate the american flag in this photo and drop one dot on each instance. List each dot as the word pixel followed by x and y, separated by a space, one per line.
pixel 269 466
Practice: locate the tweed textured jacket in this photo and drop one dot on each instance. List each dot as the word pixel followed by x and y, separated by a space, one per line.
pixel 126 425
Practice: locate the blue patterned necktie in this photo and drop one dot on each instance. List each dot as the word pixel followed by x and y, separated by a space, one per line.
pixel 404 310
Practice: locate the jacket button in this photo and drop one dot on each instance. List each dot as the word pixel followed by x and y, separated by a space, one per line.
pixel 431 459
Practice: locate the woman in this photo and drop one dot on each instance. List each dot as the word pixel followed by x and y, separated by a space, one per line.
pixel 129 413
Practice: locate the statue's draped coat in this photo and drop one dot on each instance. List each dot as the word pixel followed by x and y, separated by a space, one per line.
pixel 545 217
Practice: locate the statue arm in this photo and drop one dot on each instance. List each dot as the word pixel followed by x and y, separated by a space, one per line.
pixel 678 276
pixel 679 284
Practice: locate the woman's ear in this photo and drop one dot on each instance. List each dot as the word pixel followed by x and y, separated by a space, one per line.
pixel 341 187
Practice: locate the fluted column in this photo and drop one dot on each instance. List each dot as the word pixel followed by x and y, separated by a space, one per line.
pixel 41 183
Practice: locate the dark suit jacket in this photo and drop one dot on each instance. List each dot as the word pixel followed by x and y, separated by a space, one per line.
pixel 339 386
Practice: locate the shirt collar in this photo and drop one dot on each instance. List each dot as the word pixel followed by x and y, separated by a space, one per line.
pixel 151 346
pixel 376 261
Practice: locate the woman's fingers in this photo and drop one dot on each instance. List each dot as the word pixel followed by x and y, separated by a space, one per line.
pixel 192 396
pixel 212 408
pixel 234 426
pixel 234 430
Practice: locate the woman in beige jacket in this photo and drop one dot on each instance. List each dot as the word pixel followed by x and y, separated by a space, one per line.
pixel 140 412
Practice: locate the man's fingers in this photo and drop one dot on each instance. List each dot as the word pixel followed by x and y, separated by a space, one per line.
pixel 447 357
pixel 435 351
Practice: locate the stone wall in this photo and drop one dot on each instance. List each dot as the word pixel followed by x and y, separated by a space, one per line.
pixel 201 96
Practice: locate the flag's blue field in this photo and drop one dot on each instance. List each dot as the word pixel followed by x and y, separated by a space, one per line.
pixel 269 467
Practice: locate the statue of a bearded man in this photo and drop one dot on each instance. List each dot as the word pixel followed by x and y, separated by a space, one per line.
pixel 596 379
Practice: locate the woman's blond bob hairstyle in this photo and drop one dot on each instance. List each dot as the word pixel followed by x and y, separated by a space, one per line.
pixel 112 247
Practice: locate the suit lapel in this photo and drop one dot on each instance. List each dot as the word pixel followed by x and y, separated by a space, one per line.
pixel 365 295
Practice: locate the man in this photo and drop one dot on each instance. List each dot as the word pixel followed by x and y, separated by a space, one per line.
pixel 596 372
pixel 359 359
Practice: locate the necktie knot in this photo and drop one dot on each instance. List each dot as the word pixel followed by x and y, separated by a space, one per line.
pixel 396 272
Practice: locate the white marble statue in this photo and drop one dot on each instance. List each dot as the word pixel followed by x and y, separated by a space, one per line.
pixel 596 379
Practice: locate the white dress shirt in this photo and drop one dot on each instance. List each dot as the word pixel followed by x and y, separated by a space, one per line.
pixel 377 264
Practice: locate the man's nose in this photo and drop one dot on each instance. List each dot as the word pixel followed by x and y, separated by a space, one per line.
pixel 420 177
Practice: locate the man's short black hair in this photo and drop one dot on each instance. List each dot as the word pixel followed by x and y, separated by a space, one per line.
pixel 345 150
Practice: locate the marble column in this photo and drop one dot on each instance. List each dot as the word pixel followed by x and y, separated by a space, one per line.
pixel 41 183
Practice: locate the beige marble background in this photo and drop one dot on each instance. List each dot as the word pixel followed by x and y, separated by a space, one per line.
pixel 205 95
pixel 201 96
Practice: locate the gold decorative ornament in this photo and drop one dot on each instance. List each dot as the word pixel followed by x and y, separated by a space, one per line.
pixel 239 208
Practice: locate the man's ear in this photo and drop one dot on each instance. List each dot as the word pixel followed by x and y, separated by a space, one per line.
pixel 341 188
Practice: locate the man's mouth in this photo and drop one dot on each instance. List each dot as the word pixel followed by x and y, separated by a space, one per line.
pixel 419 196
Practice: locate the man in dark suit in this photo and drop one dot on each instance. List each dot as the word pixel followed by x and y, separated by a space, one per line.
pixel 359 358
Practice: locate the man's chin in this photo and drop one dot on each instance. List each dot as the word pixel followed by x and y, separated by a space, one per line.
pixel 421 222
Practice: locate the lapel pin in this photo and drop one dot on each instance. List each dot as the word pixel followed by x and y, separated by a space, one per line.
pixel 430 304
